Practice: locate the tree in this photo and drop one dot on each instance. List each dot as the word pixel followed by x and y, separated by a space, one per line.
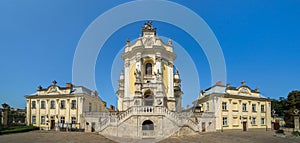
pixel 293 102
pixel 279 106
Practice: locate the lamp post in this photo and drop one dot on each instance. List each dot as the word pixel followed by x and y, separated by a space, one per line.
pixel 274 116
pixel 296 120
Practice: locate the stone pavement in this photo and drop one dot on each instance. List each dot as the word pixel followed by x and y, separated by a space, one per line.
pixel 234 136
pixel 231 136
pixel 53 137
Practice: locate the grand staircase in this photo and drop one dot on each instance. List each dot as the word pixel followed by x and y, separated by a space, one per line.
pixel 181 119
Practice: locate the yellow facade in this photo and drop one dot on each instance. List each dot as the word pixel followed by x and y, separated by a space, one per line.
pixel 165 77
pixel 132 78
pixel 236 108
pixel 55 107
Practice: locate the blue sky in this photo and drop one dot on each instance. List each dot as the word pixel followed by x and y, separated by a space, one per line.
pixel 260 41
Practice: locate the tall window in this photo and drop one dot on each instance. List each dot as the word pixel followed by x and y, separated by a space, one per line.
pixel 207 106
pixel 73 120
pixel 262 121
pixel 73 104
pixel 253 121
pixel 42 119
pixel 62 119
pixel 33 119
pixel 90 107
pixel 148 69
pixel 253 107
pixel 225 121
pixel 52 104
pixel 33 104
pixel 244 107
pixel 63 104
pixel 43 104
pixel 224 105
pixel 262 108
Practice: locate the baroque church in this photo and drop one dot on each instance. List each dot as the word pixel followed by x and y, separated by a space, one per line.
pixel 149 94
pixel 149 101
pixel 148 78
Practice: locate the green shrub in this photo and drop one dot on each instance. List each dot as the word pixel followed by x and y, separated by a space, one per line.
pixel 18 129
pixel 296 133
pixel 280 132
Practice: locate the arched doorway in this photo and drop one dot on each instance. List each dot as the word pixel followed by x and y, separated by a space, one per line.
pixel 147 125
pixel 148 98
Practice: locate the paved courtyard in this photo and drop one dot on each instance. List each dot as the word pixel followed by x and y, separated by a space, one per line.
pixel 235 136
pixel 217 137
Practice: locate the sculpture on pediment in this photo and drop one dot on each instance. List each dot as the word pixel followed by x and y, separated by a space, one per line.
pixel 148 25
pixel 244 90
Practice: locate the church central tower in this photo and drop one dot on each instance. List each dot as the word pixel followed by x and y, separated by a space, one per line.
pixel 148 78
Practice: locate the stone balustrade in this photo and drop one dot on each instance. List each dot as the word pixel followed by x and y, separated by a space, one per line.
pixel 106 119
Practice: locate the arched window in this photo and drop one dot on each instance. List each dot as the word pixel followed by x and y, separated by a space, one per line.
pixel 148 69
pixel 148 125
pixel 148 98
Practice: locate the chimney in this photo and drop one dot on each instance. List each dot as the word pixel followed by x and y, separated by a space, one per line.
pixel 112 107
pixel 127 42
pixel 228 85
pixel 40 87
pixel 219 83
pixel 69 85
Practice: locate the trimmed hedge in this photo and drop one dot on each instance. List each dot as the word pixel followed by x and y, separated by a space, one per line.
pixel 296 133
pixel 280 132
pixel 18 129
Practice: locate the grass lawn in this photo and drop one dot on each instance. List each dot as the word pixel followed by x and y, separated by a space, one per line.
pixel 17 129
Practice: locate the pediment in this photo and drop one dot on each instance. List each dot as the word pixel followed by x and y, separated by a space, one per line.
pixel 54 90
pixel 244 90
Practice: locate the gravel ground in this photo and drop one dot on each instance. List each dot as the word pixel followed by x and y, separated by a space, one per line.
pixel 216 137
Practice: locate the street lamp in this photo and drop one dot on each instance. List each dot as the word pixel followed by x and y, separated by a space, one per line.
pixel 296 120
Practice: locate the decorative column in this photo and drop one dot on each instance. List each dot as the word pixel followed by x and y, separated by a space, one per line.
pixel 258 117
pixel 171 73
pixel 230 117
pixel 158 63
pixel 47 117
pixel 249 115
pixel 159 97
pixel 126 100
pixel 138 88
pixel 138 60
pixel 38 116
pixel 126 79
pixel 28 112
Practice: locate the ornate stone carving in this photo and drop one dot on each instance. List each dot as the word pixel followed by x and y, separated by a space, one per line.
pixel 170 42
pixel 137 102
pixel 158 59
pixel 127 63
pixel 159 102
pixel 158 75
